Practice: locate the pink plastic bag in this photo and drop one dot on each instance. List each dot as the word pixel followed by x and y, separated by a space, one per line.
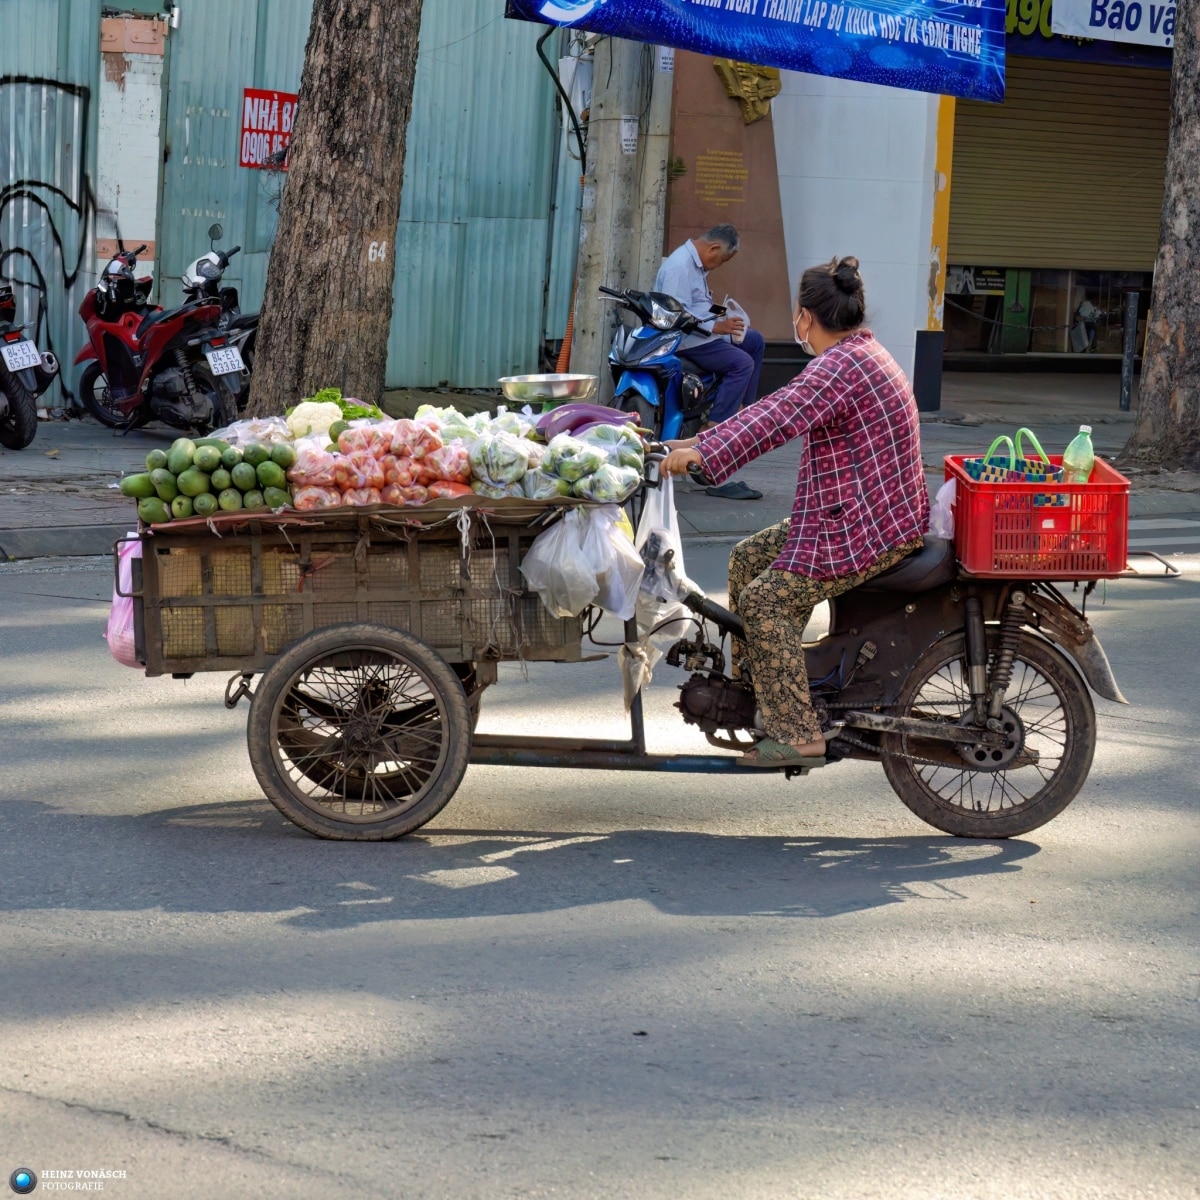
pixel 119 633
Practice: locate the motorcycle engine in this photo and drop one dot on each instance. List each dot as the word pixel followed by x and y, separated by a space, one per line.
pixel 716 702
pixel 170 402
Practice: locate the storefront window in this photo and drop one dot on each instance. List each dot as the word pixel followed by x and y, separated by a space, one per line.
pixel 1040 311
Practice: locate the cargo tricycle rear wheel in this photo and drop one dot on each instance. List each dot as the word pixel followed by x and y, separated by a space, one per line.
pixel 359 732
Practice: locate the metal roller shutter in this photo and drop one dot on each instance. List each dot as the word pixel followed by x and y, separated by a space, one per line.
pixel 1067 172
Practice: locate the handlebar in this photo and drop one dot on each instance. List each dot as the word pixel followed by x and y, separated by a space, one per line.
pixel 138 251
pixel 231 253
pixel 607 291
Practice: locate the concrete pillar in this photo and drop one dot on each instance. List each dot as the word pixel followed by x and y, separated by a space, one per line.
pixel 609 236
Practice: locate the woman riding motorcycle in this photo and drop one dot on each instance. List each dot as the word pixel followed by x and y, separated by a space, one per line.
pixel 861 501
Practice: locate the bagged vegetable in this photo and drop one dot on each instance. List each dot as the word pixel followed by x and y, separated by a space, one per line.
pixel 537 485
pixel 402 472
pixel 267 431
pixel 621 446
pixel 393 494
pixel 496 491
pixel 511 422
pixel 499 458
pixel 444 489
pixel 361 497
pixel 612 485
pixel 369 467
pixel 411 439
pixel 555 567
pixel 307 498
pixel 571 459
pixel 314 465
pixel 450 462
pixel 373 438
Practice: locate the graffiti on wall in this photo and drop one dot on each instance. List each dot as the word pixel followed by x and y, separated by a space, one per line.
pixel 47 204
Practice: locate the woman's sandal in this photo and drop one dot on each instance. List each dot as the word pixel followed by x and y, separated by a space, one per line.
pixel 770 753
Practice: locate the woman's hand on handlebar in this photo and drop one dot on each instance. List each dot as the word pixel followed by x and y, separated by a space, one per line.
pixel 682 457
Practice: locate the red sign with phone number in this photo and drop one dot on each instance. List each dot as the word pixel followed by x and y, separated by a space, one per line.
pixel 267 121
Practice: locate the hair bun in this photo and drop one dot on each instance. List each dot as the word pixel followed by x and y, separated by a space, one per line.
pixel 846 276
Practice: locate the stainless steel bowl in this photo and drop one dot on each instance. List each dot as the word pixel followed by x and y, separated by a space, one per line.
pixel 536 389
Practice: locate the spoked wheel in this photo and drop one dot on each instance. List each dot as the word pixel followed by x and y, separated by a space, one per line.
pixel 359 732
pixel 994 792
pixel 97 398
pixel 18 425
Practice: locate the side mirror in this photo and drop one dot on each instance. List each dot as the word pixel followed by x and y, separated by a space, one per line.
pixel 215 231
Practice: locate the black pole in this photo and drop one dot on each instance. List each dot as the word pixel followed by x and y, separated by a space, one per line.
pixel 1128 348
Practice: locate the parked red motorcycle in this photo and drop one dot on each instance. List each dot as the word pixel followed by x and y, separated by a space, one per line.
pixel 25 373
pixel 146 362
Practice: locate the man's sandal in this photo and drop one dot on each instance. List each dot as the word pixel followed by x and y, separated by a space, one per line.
pixel 772 754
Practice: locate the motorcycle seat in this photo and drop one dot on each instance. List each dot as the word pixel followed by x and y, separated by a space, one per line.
pixel 930 567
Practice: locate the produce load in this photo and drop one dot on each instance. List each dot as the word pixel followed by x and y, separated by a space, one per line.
pixel 331 452
pixel 203 477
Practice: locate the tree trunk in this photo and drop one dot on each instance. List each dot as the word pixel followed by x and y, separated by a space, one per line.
pixel 1168 420
pixel 328 303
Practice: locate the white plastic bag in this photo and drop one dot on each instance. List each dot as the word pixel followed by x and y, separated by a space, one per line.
pixel 555 567
pixel 941 516
pixel 734 309
pixel 608 551
pixel 119 633
pixel 660 616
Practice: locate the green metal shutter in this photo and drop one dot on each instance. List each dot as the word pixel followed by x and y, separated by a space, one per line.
pixel 1066 173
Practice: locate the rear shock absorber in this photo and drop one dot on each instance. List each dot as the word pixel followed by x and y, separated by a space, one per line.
pixel 1010 635
pixel 976 657
pixel 186 370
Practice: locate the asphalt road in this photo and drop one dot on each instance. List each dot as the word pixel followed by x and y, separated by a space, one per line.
pixel 585 985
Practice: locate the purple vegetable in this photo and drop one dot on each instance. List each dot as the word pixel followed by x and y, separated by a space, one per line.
pixel 568 417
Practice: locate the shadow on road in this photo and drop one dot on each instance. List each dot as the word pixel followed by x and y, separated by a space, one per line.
pixel 238 857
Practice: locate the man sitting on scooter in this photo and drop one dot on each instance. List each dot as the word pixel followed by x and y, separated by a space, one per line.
pixel 684 275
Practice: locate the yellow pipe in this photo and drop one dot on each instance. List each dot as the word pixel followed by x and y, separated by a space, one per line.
pixel 939 237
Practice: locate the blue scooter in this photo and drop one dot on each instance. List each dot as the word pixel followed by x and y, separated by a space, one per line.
pixel 651 376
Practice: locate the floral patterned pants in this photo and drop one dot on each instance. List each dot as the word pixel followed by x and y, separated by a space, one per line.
pixel 776 606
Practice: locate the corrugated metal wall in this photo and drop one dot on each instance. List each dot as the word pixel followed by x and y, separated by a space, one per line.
pixel 49 58
pixel 485 257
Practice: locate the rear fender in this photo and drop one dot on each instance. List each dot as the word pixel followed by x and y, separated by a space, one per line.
pixel 1069 630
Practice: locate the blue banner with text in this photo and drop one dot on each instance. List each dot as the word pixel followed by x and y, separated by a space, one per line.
pixel 953 47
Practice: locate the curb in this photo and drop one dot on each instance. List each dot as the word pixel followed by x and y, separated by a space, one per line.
pixel 64 541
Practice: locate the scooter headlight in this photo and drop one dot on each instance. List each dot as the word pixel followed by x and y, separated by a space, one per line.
pixel 661 317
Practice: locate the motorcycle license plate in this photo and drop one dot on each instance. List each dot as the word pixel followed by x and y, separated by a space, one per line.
pixel 18 356
pixel 225 361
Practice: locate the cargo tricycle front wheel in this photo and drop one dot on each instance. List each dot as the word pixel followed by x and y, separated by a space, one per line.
pixel 359 732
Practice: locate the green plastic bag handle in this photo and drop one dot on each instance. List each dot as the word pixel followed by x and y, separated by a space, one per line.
pixel 1012 451
pixel 1022 433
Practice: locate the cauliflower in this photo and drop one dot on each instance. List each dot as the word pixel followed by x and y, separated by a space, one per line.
pixel 310 418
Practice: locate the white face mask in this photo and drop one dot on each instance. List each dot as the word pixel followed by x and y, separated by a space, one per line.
pixel 804 343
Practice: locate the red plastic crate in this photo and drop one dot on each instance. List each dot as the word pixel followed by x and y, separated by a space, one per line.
pixel 1040 530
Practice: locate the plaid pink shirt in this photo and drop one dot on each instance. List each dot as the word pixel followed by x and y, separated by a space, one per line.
pixel 861 488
